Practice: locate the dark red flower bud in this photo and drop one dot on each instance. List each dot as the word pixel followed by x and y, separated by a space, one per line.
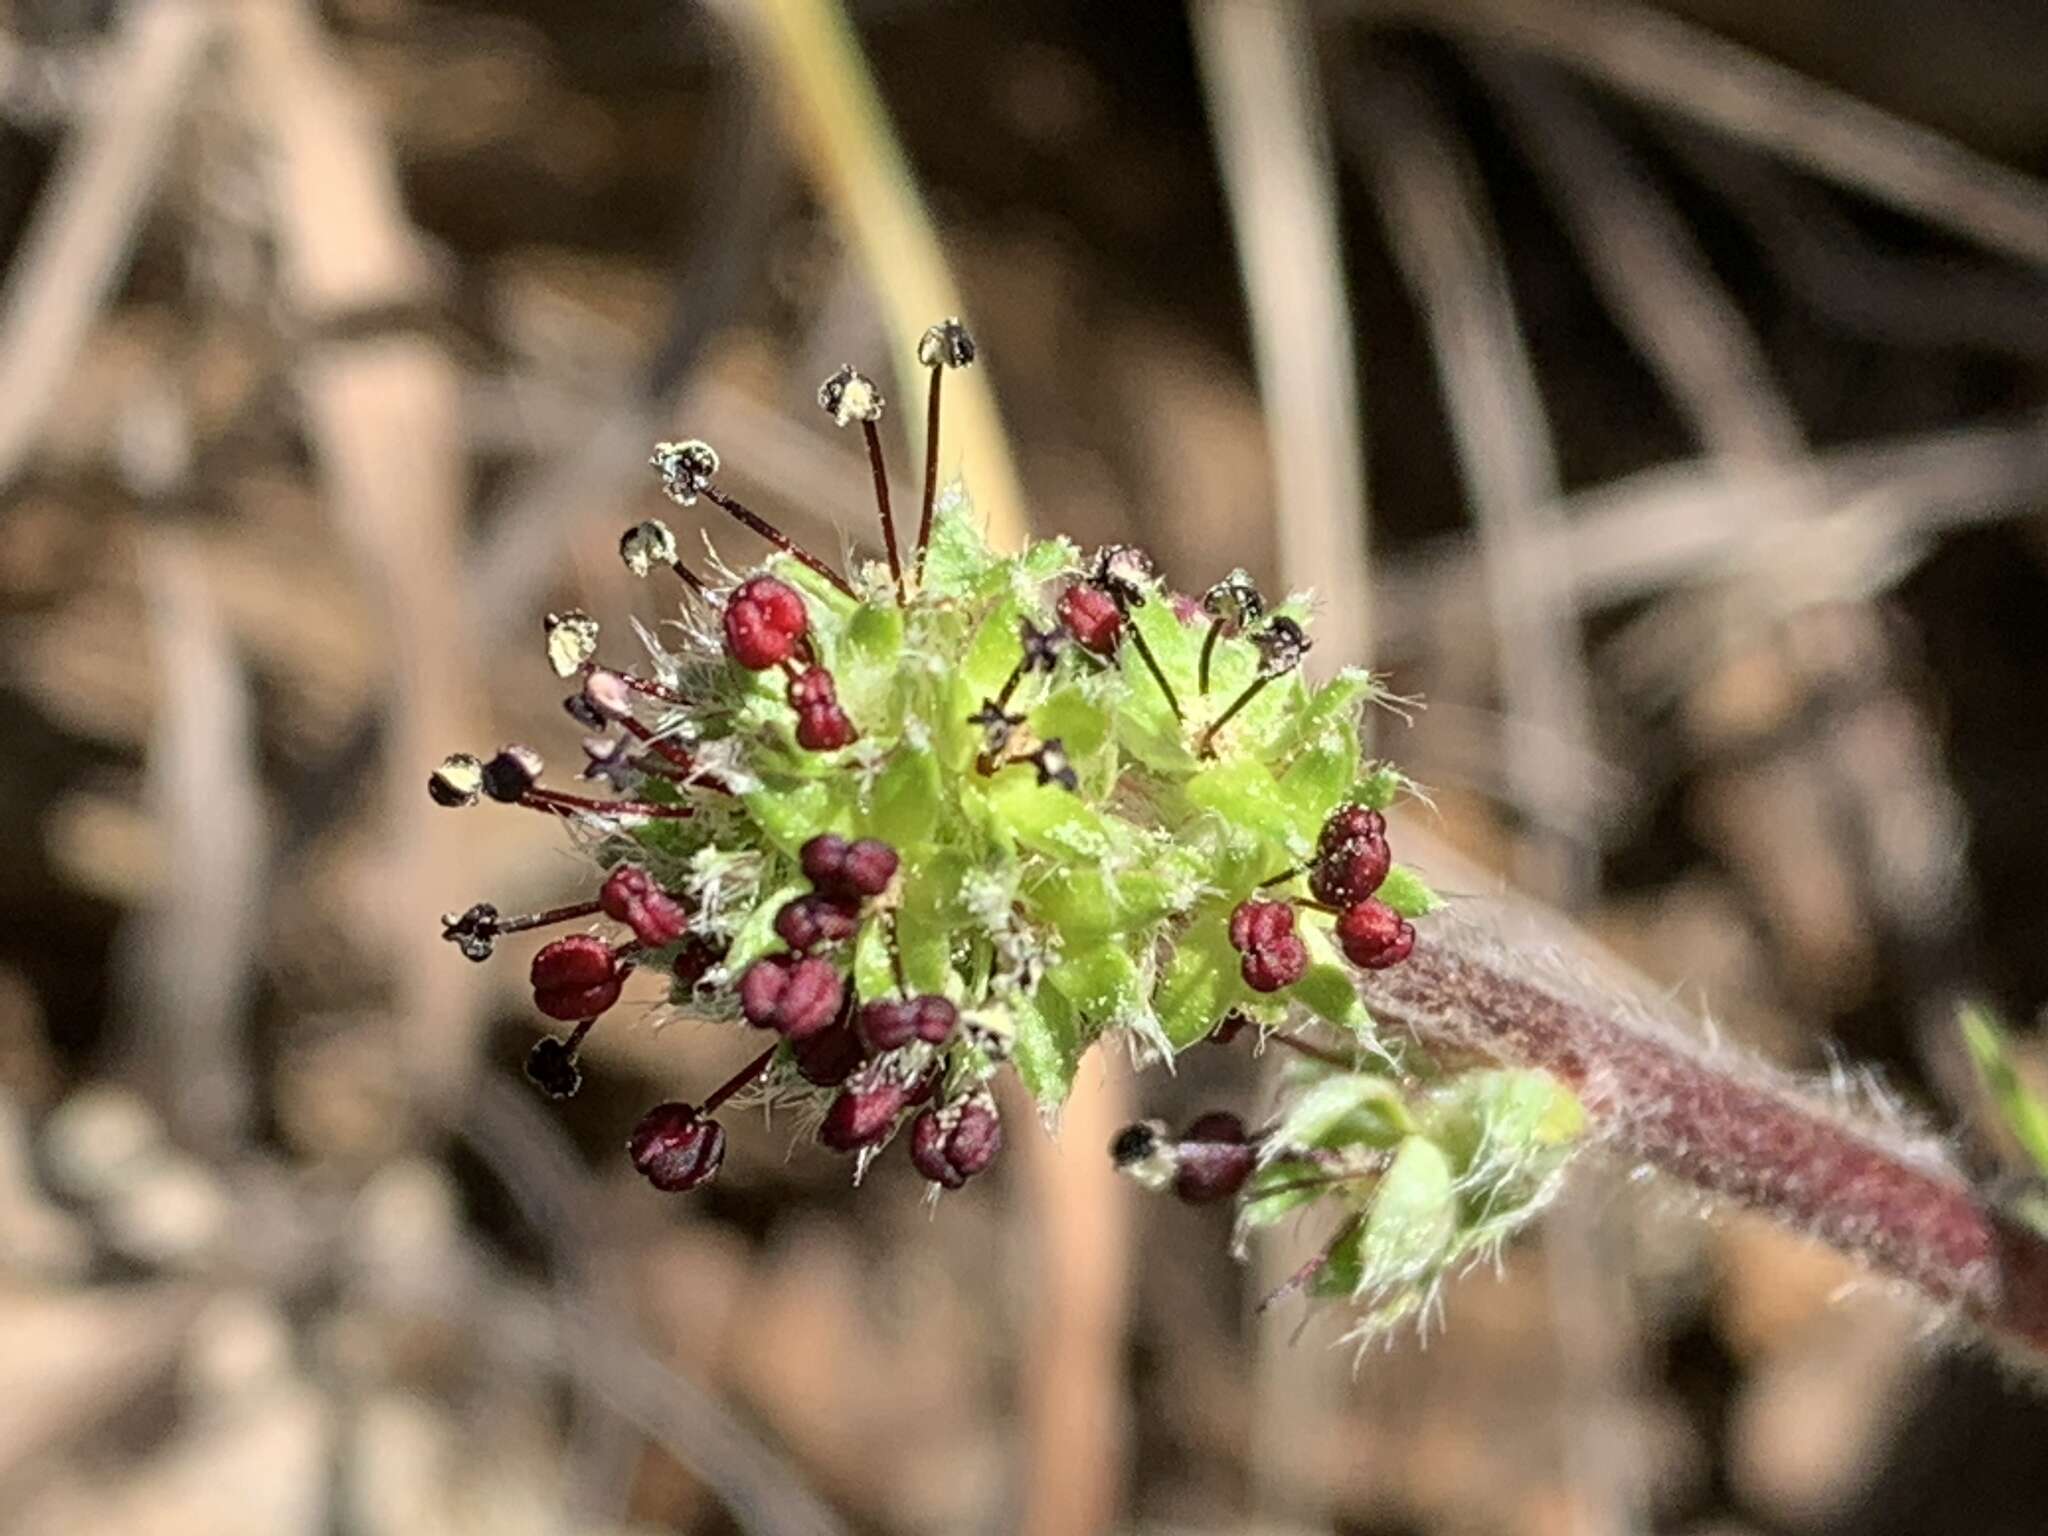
pixel 936 1019
pixel 676 1148
pixel 848 871
pixel 1212 1159
pixel 763 623
pixel 576 978
pixel 812 688
pixel 795 997
pixel 699 953
pixel 630 896
pixel 1272 966
pixel 1374 935
pixel 888 1023
pixel 824 728
pixel 1351 871
pixel 863 1114
pixel 1351 824
pixel 949 1146
pixel 1256 923
pixel 1092 618
pixel 809 921
pixel 829 1057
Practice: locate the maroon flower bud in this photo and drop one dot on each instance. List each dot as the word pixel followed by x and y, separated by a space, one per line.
pixel 824 728
pixel 1256 923
pixel 576 978
pixel 796 997
pixel 764 620
pixel 936 1018
pixel 863 1114
pixel 829 1057
pixel 848 871
pixel 888 1023
pixel 1351 871
pixel 676 1148
pixel 949 1146
pixel 809 921
pixel 1092 618
pixel 1212 1159
pixel 1272 966
pixel 812 688
pixel 1351 824
pixel 630 896
pixel 1375 936
pixel 699 953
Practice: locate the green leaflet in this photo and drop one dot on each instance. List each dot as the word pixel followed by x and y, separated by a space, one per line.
pixel 1346 1109
pixel 1047 1045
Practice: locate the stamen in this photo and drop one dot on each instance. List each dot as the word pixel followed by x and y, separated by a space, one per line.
pixel 563 804
pixel 739 1080
pixel 881 470
pixel 774 535
pixel 945 345
pixel 1152 665
pixel 1208 746
pixel 1301 1278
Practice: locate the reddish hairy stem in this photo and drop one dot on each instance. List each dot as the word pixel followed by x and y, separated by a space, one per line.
pixel 1729 1127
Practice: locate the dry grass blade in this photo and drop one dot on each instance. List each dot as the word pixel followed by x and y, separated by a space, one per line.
pixel 1259 78
pixel 82 230
pixel 385 418
pixel 860 169
pixel 1442 240
pixel 1679 68
pixel 188 961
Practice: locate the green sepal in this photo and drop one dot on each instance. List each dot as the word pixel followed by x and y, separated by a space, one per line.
pixel 1346 1109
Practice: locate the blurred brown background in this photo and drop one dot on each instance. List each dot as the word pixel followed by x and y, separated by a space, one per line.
pixel 1657 393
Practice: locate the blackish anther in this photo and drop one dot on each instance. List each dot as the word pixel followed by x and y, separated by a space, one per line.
pixel 611 759
pixel 699 953
pixel 515 770
pixel 675 1148
pixel 1230 1026
pixel 1053 765
pixel 1234 602
pixel 1282 644
pixel 458 782
pixel 850 395
pixel 997 726
pixel 475 932
pixel 647 546
pixel 1042 647
pixel 1134 1143
pixel 1123 571
pixel 551 1067
pixel 946 345
pixel 686 469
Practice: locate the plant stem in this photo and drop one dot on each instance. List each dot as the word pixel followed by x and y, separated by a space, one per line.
pixel 1728 1125
pixel 737 1081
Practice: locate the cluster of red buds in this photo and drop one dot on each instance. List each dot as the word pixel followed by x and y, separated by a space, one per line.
pixel 922 821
